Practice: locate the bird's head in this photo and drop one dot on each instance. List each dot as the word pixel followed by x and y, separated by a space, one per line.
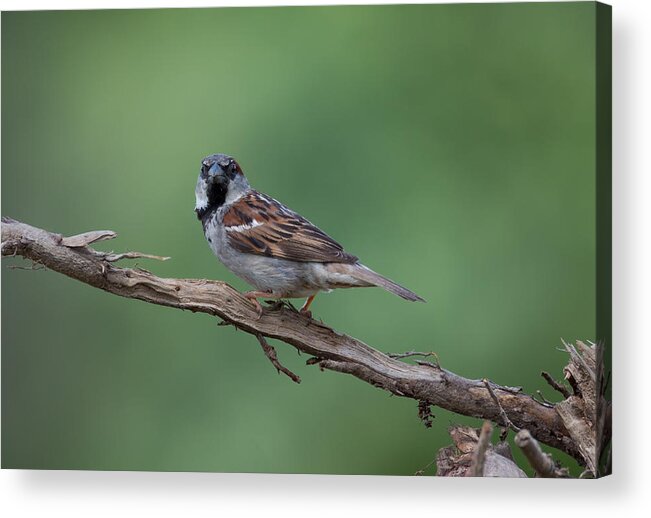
pixel 220 182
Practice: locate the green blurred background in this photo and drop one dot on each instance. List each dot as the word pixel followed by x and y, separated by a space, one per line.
pixel 451 147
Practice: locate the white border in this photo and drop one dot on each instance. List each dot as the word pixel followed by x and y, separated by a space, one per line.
pixel 110 494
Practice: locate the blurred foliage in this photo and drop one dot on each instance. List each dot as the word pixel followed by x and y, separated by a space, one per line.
pixel 451 147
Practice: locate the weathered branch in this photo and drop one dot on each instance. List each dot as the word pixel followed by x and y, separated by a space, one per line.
pixel 586 414
pixel 473 455
pixel 506 422
pixel 270 352
pixel 335 351
pixel 540 461
pixel 555 384
pixel 479 454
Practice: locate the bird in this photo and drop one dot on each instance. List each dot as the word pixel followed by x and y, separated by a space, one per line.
pixel 271 247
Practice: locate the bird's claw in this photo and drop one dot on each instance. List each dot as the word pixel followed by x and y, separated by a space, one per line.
pixel 257 306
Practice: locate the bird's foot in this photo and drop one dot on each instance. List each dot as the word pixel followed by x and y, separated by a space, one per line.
pixel 275 304
pixel 258 308
pixel 252 296
pixel 305 310
pixel 280 304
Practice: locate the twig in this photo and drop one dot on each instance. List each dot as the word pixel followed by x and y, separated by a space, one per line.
pixel 94 236
pixel 409 354
pixel 87 238
pixel 540 461
pixel 428 364
pixel 226 323
pixel 111 257
pixel 555 384
pixel 544 400
pixel 270 352
pixel 422 470
pixel 34 267
pixel 479 455
pixel 505 418
pixel 572 381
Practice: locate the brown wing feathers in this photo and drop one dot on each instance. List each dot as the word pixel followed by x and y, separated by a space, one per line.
pixel 258 224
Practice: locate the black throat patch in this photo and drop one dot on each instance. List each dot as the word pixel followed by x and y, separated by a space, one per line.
pixel 216 198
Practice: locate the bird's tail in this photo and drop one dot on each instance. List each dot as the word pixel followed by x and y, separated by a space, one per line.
pixel 364 274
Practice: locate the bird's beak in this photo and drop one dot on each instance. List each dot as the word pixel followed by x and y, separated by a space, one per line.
pixel 216 174
pixel 214 170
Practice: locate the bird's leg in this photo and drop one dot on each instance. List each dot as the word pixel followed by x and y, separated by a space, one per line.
pixel 253 297
pixel 305 310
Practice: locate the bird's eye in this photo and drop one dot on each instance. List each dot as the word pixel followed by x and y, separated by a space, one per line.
pixel 205 168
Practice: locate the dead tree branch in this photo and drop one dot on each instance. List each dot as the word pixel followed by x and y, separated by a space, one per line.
pixel 270 352
pixel 479 455
pixel 555 384
pixel 586 414
pixel 506 422
pixel 540 461
pixel 333 350
pixel 473 455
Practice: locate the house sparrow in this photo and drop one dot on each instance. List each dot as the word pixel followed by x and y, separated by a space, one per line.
pixel 277 251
